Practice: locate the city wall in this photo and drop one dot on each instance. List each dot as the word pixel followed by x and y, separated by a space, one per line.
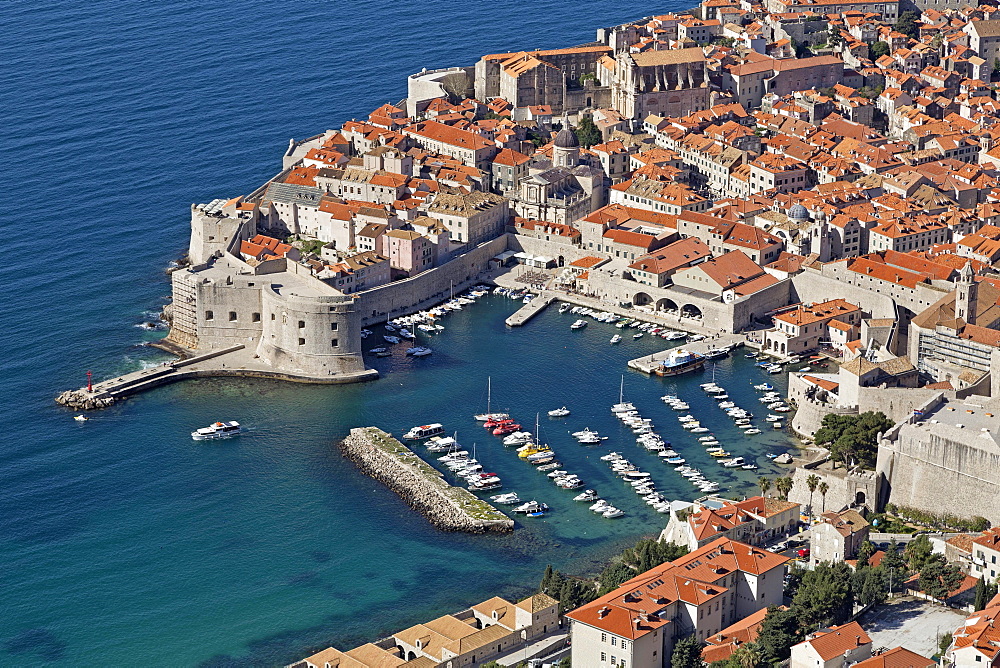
pixel 811 286
pixel 933 472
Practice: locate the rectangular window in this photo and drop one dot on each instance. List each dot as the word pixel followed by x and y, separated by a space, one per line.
pixel 604 637
pixel 232 316
pixel 302 324
pixel 302 342
pixel 604 657
pixel 255 317
pixel 335 343
pixel 613 641
pixel 272 317
pixel 333 326
pixel 209 315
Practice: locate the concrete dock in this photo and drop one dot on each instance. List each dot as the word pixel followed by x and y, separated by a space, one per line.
pixel 647 363
pixel 531 309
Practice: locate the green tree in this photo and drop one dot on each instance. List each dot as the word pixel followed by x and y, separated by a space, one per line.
pixel 878 49
pixel 825 596
pixel 574 593
pixel 907 24
pixel 784 486
pixel 687 653
pixel 587 133
pixel 981 599
pixel 918 553
pixel 778 632
pixel 853 439
pixel 938 578
pixel 823 489
pixel 865 553
pixel 765 484
pixel 745 656
pixel 870 586
pixel 812 482
pixel 647 553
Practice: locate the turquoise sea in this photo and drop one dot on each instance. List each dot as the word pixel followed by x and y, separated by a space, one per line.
pixel 124 542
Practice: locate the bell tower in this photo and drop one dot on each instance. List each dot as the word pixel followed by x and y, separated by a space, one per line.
pixel 966 295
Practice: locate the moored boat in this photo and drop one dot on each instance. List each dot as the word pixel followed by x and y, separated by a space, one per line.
pixel 679 361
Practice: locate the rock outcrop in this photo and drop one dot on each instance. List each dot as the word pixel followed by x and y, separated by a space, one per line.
pixel 82 400
pixel 420 485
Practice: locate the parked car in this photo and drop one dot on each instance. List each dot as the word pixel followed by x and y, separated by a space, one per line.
pixel 803 552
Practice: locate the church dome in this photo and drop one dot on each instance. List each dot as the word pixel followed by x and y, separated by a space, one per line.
pixel 798 212
pixel 565 138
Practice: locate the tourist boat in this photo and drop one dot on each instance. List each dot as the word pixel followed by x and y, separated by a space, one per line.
pixel 491 419
pixel 679 361
pixel 507 499
pixel 564 307
pixel 616 338
pixel 80 418
pixel 215 430
pixel 391 339
pixel 559 412
pixel 613 512
pixel 579 324
pixel 589 495
pixel 424 431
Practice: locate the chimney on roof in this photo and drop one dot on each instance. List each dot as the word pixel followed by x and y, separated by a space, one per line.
pixel 858 638
pixel 603 612
pixel 636 622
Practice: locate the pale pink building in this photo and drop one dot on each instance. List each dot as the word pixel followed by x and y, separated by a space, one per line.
pixel 409 252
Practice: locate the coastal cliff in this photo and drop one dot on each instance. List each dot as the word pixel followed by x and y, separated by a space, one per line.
pixel 420 485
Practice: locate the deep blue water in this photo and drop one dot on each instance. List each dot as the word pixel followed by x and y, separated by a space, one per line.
pixel 123 541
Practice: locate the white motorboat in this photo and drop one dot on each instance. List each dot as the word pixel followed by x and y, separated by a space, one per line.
pixel 506 499
pixel 559 412
pixel 517 438
pixel 616 338
pixel 637 335
pixel 564 307
pixel 589 495
pixel 610 456
pixel 613 512
pixel 406 334
pixel 391 339
pixel 442 444
pixel 531 507
pixel 579 324
pixel 600 506
pixel 419 351
pixel 216 430
pixel 80 418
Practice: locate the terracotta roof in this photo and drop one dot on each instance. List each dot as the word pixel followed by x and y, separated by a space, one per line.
pixel 838 640
pixel 897 657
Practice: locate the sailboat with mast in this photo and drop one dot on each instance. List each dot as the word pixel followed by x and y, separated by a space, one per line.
pixel 622 406
pixel 489 415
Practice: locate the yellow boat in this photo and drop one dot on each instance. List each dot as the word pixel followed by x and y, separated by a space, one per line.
pixel 719 454
pixel 532 450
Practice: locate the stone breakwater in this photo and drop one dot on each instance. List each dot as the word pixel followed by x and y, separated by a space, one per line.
pixel 419 484
pixel 82 400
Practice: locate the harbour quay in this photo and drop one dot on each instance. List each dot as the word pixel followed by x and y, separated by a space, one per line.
pixel 648 363
pixel 379 455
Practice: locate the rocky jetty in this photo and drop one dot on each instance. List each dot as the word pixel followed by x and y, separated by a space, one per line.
pixel 419 484
pixel 82 400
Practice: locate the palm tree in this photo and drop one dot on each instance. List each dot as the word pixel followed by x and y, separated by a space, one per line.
pixel 765 484
pixel 812 482
pixel 784 486
pixel 823 489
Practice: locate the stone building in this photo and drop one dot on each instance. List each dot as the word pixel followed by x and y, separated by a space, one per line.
pixel 564 189
pixel 837 536
pixel 473 217
pixel 698 594
pixel 670 82
pixel 834 647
